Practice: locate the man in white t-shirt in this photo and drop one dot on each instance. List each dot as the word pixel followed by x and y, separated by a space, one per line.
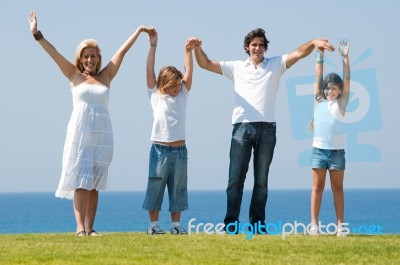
pixel 256 81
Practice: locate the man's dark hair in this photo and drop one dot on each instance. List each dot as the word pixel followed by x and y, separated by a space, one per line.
pixel 258 32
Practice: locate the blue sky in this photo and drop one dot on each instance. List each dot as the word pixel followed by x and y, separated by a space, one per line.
pixel 36 100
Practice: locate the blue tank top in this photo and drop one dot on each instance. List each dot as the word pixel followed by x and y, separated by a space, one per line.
pixel 328 126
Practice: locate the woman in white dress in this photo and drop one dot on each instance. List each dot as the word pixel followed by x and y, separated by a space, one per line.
pixel 88 148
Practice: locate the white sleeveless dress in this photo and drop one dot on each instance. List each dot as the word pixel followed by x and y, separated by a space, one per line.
pixel 89 144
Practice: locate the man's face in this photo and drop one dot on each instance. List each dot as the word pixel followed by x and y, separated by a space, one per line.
pixel 256 49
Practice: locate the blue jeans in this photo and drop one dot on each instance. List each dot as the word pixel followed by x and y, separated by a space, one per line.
pixel 260 137
pixel 329 159
pixel 168 167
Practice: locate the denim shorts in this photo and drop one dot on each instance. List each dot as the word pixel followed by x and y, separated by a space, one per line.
pixel 329 159
pixel 167 168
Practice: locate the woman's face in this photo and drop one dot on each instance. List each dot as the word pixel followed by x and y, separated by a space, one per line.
pixel 89 60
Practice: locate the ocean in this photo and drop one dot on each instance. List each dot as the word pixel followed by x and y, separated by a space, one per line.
pixel 366 210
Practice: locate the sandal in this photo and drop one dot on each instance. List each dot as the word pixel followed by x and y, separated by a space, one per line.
pixel 93 233
pixel 81 233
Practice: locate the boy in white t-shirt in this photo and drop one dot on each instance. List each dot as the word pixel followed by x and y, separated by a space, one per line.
pixel 168 154
pixel 256 81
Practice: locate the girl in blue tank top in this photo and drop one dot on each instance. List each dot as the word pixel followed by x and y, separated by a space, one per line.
pixel 331 98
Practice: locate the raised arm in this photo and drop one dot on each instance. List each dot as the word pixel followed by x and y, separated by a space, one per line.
pixel 151 58
pixel 191 43
pixel 67 68
pixel 344 52
pixel 319 71
pixel 202 59
pixel 305 49
pixel 112 67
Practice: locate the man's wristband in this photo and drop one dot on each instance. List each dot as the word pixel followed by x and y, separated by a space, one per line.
pixel 38 36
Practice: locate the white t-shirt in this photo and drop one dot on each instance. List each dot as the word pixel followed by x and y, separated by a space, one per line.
pixel 255 88
pixel 169 115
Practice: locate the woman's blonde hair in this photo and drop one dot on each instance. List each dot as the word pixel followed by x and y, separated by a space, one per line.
pixel 88 43
pixel 168 77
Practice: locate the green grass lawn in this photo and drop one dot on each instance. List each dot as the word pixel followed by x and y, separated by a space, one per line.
pixel 139 248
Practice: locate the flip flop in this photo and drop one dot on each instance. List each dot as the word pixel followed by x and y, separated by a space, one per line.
pixel 81 233
pixel 93 233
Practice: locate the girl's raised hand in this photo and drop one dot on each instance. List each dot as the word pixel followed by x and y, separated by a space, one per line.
pixel 193 43
pixel 344 48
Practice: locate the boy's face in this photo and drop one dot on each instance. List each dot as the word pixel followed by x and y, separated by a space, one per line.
pixel 173 91
pixel 256 49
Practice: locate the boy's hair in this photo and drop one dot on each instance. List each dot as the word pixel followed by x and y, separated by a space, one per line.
pixel 258 32
pixel 168 77
pixel 88 43
pixel 331 78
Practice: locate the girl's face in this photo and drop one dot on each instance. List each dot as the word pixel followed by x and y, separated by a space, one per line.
pixel 173 91
pixel 89 60
pixel 333 91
